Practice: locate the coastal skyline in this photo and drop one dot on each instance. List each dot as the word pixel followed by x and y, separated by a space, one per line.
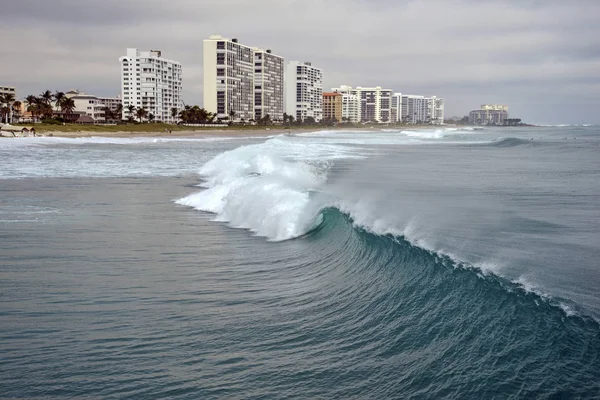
pixel 541 58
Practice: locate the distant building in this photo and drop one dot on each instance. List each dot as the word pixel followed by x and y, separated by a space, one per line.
pixel 92 106
pixel 333 106
pixel 151 82
pixel 350 104
pixel 242 81
pixel 396 110
pixel 268 85
pixel 418 109
pixel 304 91
pixel 374 103
pixel 489 114
pixel 8 90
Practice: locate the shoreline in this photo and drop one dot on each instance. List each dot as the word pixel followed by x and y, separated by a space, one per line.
pixel 228 132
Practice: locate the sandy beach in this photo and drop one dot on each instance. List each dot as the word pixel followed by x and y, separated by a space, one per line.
pixel 224 132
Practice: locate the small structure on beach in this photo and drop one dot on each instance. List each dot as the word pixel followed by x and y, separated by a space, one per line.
pixel 16 130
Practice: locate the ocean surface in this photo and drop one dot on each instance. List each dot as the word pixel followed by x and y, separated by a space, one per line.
pixel 377 264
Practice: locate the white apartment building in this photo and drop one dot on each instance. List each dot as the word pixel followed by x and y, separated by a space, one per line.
pixel 92 106
pixel 396 110
pixel 228 78
pixel 350 104
pixel 242 81
pixel 304 91
pixel 374 103
pixel 151 82
pixel 489 114
pixel 268 85
pixel 438 110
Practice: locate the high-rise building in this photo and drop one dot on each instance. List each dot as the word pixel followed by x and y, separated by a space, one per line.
pixel 268 85
pixel 489 114
pixel 304 91
pixel 241 82
pixel 151 82
pixel 396 110
pixel 374 104
pixel 438 110
pixel 332 106
pixel 422 110
pixel 350 104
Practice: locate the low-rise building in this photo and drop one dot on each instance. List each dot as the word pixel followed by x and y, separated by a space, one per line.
pixel 93 106
pixel 333 106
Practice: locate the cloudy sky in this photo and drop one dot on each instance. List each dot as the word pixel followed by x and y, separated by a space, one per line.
pixel 541 57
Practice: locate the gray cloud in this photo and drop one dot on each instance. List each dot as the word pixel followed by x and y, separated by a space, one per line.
pixel 540 57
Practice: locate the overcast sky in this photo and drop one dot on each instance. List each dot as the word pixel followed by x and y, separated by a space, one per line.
pixel 542 58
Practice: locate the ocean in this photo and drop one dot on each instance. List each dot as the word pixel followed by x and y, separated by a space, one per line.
pixel 438 263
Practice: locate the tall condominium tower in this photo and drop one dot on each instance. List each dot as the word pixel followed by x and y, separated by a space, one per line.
pixel 151 82
pixel 420 109
pixel 242 82
pixel 304 91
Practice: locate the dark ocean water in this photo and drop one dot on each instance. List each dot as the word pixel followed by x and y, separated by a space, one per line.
pixel 459 264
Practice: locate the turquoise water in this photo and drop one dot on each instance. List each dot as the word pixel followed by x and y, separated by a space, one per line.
pixel 400 264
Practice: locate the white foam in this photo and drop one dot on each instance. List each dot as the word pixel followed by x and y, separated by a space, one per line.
pixel 265 188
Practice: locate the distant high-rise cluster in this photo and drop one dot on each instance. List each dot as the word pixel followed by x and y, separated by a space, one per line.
pixel 245 83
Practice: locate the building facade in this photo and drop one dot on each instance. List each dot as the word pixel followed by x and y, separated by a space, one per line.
pixel 374 104
pixel 489 114
pixel 151 82
pixel 422 110
pixel 350 104
pixel 93 106
pixel 333 106
pixel 304 91
pixel 242 83
pixel 268 85
pixel 396 110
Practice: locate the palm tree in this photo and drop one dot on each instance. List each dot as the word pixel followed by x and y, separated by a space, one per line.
pixel 32 105
pixel 108 114
pixel 16 110
pixel 231 115
pixel 174 113
pixel 67 106
pixel 131 110
pixel 46 97
pixel 141 113
pixel 58 99
pixel 119 112
pixel 150 117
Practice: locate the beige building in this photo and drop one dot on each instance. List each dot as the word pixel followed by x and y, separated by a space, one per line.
pixel 332 106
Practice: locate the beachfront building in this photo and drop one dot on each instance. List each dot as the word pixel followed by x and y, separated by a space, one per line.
pixel 151 82
pixel 396 109
pixel 374 103
pixel 268 85
pixel 228 78
pixel 242 83
pixel 437 107
pixel 332 106
pixel 92 106
pixel 489 114
pixel 350 104
pixel 304 91
pixel 8 90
